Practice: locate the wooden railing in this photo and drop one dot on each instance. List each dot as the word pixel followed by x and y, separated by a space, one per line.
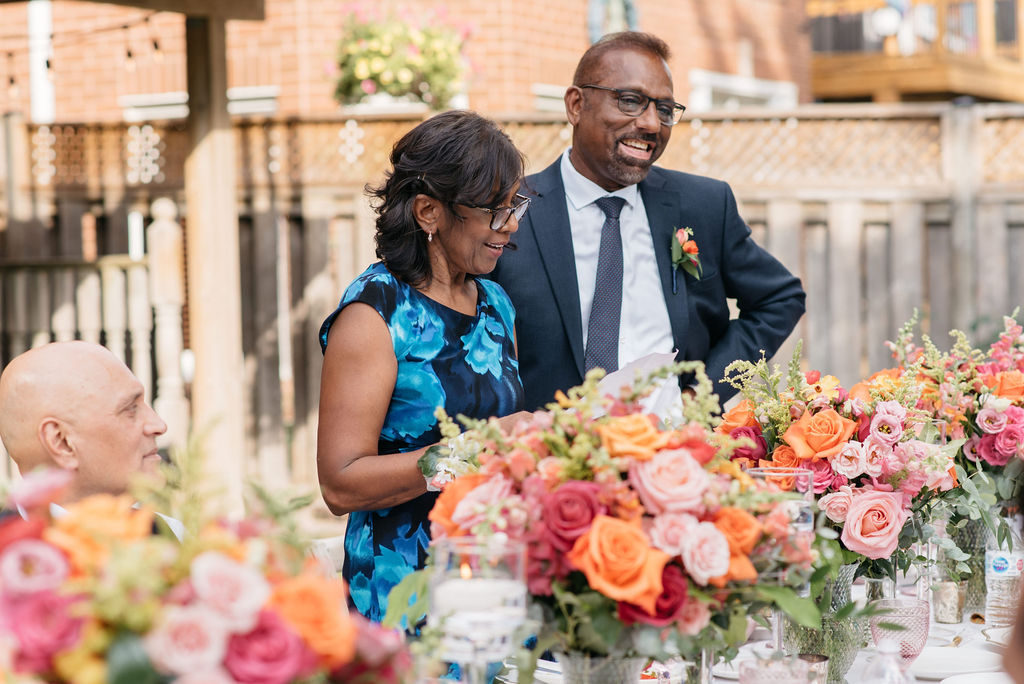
pixel 880 210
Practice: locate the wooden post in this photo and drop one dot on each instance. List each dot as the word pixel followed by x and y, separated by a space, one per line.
pixel 986 28
pixel 140 325
pixel 115 317
pixel 941 18
pixel 215 314
pixel 845 226
pixel 1020 31
pixel 961 167
pixel 167 293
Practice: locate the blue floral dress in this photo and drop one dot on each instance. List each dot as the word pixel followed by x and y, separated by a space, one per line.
pixel 445 358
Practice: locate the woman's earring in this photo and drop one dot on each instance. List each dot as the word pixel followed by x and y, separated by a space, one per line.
pixel 430 237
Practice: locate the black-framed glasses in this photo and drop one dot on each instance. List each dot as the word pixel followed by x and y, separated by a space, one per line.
pixel 500 215
pixel 633 103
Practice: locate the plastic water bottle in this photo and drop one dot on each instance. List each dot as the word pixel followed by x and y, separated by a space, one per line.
pixel 887 666
pixel 1003 579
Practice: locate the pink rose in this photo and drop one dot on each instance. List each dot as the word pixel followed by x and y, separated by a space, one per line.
pixel 876 456
pixel 986 449
pixel 693 617
pixel 270 653
pixel 1010 442
pixel 837 504
pixel 31 565
pixel 569 510
pixel 672 481
pixel 850 461
pixel 215 676
pixel 754 453
pixel 669 605
pixel 43 623
pixel 873 523
pixel 669 531
pixel 706 553
pixel 822 473
pixel 187 639
pixel 234 590
pixel 375 645
pixel 472 510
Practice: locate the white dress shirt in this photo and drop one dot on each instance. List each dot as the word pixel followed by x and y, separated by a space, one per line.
pixel 644 326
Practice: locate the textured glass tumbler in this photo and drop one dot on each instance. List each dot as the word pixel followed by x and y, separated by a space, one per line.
pixel 785 670
pixel 912 617
pixel 578 668
pixel 838 640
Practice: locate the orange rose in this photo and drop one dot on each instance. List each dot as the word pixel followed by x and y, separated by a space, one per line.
pixel 91 527
pixel 818 436
pixel 1008 384
pixel 740 570
pixel 690 247
pixel 451 495
pixel 783 457
pixel 632 436
pixel 314 606
pixel 739 527
pixel 740 415
pixel 883 379
pixel 619 562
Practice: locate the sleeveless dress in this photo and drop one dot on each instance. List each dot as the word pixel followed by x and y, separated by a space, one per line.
pixel 445 358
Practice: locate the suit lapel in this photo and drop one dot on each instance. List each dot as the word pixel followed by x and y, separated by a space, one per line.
pixel 663 216
pixel 554 245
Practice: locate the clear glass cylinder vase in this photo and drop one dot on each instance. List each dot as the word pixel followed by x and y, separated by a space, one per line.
pixel 699 670
pixel 879 588
pixel 583 668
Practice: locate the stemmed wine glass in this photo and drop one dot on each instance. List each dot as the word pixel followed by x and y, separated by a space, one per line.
pixel 799 509
pixel 477 600
pixel 905 621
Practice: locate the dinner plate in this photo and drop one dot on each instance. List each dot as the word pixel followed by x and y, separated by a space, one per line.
pixel 998 635
pixel 731 669
pixel 940 662
pixel 979 678
pixel 549 672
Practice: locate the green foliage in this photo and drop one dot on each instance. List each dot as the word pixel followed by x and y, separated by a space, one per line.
pixel 415 56
pixel 127 662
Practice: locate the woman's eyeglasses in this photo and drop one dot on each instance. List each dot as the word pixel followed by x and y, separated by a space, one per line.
pixel 500 215
pixel 633 103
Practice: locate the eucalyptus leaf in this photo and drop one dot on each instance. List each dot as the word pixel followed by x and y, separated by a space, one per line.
pixel 801 610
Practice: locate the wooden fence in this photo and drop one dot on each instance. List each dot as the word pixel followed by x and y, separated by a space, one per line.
pixel 880 209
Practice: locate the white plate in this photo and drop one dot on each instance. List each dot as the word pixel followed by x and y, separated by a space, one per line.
pixel 979 678
pixel 998 635
pixel 940 662
pixel 731 670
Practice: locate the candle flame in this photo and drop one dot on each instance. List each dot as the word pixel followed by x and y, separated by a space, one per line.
pixel 464 571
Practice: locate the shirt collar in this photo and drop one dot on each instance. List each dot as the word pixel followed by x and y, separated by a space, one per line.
pixel 582 191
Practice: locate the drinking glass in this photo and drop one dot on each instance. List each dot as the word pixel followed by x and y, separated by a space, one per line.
pixel 906 622
pixel 799 510
pixel 477 601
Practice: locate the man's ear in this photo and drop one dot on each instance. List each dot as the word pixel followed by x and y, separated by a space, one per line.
pixel 53 435
pixel 427 212
pixel 573 104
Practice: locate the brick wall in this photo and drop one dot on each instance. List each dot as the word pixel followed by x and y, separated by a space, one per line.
pixel 514 44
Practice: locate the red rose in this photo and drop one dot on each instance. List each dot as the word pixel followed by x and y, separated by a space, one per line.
pixel 568 512
pixel 669 605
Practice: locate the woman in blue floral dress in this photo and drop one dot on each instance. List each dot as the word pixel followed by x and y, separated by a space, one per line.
pixel 417 331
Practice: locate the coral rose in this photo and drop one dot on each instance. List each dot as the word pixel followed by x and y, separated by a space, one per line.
pixel 93 524
pixel 740 570
pixel 314 606
pixel 1008 384
pixel 741 529
pixel 633 436
pixel 619 562
pixel 668 606
pixel 740 415
pixel 821 435
pixel 873 523
pixel 440 516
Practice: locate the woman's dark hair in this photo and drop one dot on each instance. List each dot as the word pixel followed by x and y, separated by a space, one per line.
pixel 456 157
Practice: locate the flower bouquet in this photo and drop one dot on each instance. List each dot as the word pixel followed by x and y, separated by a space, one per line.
pixel 643 539
pixel 402 55
pixel 878 474
pixel 94 594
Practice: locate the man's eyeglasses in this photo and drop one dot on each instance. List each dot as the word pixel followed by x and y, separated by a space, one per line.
pixel 500 215
pixel 633 103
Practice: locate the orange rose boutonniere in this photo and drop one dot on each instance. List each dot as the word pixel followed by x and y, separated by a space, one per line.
pixel 685 254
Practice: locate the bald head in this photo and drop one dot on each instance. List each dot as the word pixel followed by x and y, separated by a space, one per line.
pixel 76 406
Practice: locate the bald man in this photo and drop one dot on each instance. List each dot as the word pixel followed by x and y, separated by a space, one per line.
pixel 76 406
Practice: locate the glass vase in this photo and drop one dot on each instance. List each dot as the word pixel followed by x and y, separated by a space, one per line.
pixel 879 588
pixel 971 538
pixel 583 668
pixel 699 671
pixel 838 640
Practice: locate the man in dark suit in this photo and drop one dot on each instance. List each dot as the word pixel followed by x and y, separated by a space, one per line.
pixel 603 215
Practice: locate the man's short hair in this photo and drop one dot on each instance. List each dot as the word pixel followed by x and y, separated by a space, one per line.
pixel 586 70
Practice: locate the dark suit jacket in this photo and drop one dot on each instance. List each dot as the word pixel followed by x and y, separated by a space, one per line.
pixel 540 277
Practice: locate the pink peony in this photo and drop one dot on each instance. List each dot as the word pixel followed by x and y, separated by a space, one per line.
pixel 669 531
pixel 693 617
pixel 850 461
pixel 569 510
pixel 670 603
pixel 31 565
pixel 234 590
pixel 270 653
pixel 706 553
pixel 43 623
pixel 187 639
pixel 837 504
pixel 672 481
pixel 873 523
